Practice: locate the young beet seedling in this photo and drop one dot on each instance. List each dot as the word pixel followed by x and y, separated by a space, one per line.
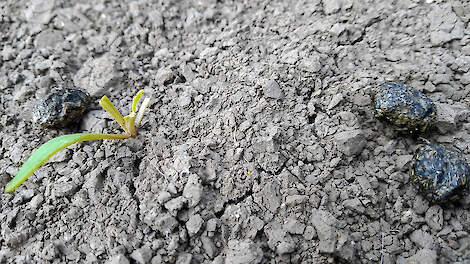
pixel 51 147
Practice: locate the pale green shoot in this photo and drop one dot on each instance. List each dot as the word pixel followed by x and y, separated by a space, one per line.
pixel 51 147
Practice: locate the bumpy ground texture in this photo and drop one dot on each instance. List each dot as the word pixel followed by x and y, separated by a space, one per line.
pixel 260 146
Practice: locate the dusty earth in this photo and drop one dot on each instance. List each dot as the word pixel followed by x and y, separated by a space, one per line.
pixel 260 145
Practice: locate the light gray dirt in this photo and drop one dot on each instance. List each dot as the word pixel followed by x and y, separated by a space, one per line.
pixel 260 145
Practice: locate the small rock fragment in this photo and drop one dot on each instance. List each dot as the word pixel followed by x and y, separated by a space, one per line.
pixel 184 258
pixel 422 239
pixel 445 25
pixel 193 190
pixel 420 205
pixel 310 233
pixel 270 157
pixel 405 108
pixel 273 90
pixel 448 116
pixel 64 189
pixel 155 18
pixel 44 65
pixel 187 72
pixel 157 259
pixel 351 142
pixel 163 197
pixel 465 78
pixel 142 255
pixel 36 201
pixel 276 235
pixel 208 246
pixel 354 205
pixel 185 100
pixel 462 63
pixel 245 125
pixel 243 252
pixel 182 161
pixel 440 172
pixel 73 255
pixel 285 247
pixel 174 205
pixel 97 75
pixel 346 250
pixel 48 39
pixel 118 259
pixel 429 87
pixel 194 224
pixel 403 161
pixel 440 78
pixel 337 98
pixel 166 224
pixel 270 196
pixel 295 199
pixel 165 76
pixel 39 11
pixel 208 52
pixel 323 222
pixel 8 53
pixel 93 121
pixel 434 217
pixel 212 224
pixel 219 260
pixel 49 252
pixel 20 95
pixel 337 28
pixel 310 64
pixel 293 226
pixel 290 57
pixel 423 256
pixel 331 6
pixel 61 108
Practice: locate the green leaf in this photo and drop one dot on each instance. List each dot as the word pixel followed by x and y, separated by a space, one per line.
pixel 130 124
pixel 48 149
pixel 135 100
pixel 111 109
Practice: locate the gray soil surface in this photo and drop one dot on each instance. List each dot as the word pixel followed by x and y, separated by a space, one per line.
pixel 260 146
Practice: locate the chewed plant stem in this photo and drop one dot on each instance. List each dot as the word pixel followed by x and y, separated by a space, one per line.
pixel 51 147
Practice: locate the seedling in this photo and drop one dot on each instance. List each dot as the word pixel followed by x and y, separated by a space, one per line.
pixel 51 147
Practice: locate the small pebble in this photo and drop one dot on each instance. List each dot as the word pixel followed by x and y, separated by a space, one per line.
pixel 142 255
pixel 97 76
pixel 118 259
pixel 243 251
pixel 184 258
pixel 194 224
pixel 208 246
pixel 351 142
pixel 273 90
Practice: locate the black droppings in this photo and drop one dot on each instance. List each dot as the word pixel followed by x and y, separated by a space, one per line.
pixel 440 173
pixel 405 108
pixel 61 108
